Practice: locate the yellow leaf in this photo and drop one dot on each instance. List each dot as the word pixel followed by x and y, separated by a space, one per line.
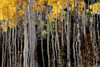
pixel 44 32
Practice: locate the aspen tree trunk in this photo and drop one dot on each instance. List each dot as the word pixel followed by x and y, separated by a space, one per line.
pixel 15 38
pixel 9 40
pixel 49 21
pixel 0 44
pixel 74 42
pixel 9 48
pixel 68 38
pixel 26 48
pixel 51 35
pixel 97 30
pixel 62 32
pixel 78 35
pixel 42 50
pixel 74 38
pixel 3 54
pixel 57 37
pixel 91 33
pixel 48 52
pixel 32 32
pixel 2 47
pixel 94 42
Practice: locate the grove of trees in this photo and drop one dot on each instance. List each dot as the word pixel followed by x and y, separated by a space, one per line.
pixel 49 33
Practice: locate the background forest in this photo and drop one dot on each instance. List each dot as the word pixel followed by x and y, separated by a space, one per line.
pixel 49 33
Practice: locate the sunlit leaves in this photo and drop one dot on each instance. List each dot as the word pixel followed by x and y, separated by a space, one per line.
pixel 9 8
pixel 95 8
pixel 11 24
pixel 44 32
pixel 4 26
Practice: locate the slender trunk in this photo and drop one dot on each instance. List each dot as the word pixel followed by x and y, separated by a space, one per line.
pixel 53 44
pixel 32 35
pixel 26 49
pixel 57 37
pixel 74 40
pixel 42 49
pixel 68 38
pixel 48 52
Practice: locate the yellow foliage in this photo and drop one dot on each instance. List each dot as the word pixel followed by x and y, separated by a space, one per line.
pixel 11 24
pixel 42 1
pixel 42 23
pixel 91 36
pixel 23 23
pixel 59 5
pixel 95 8
pixel 80 65
pixel 44 32
pixel 39 7
pixel 87 11
pixel 45 24
pixel 4 27
pixel 8 9
pixel 35 23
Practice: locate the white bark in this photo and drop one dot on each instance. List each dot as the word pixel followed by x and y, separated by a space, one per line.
pixel 68 37
pixel 26 48
pixel 48 52
pixel 32 32
pixel 52 36
pixel 57 37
